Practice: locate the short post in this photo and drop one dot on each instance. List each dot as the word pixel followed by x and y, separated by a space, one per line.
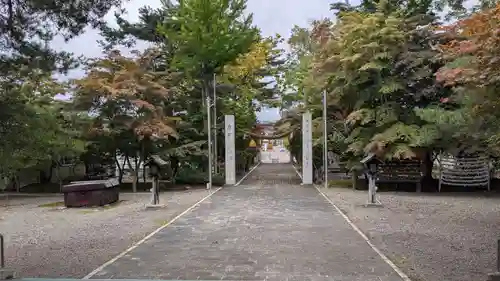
pixel 4 273
pixel 155 194
pixel 498 255
pixel 2 253
pixel 372 188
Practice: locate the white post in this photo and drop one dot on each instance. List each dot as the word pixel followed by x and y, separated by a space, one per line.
pixel 216 166
pixel 155 200
pixel 325 141
pixel 372 189
pixel 230 161
pixel 155 194
pixel 210 163
pixel 372 185
pixel 153 187
pixel 307 166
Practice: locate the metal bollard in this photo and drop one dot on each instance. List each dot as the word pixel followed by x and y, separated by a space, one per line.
pixel 498 255
pixel 2 252
pixel 496 275
pixel 4 273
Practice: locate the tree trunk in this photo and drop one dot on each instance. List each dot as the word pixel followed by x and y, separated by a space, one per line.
pixel 43 176
pixel 142 158
pixel 427 165
pixel 17 184
pixel 120 170
pixel 354 178
pixel 87 168
pixel 58 174
pixel 174 162
pixel 134 173
pixel 46 177
pixel 205 94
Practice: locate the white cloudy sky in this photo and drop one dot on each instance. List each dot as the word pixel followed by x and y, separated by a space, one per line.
pixel 271 16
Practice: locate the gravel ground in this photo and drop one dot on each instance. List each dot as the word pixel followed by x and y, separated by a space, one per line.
pixel 57 242
pixel 432 237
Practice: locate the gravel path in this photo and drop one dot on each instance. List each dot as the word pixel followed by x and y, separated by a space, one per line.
pixel 267 228
pixel 55 242
pixel 432 237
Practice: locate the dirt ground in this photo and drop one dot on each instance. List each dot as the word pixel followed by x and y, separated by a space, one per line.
pixel 432 237
pixel 44 239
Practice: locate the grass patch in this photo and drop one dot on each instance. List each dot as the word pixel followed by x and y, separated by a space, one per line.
pixel 112 205
pixel 52 205
pixel 161 222
pixel 90 210
pixel 399 260
pixel 85 209
pixel 347 183
pixel 41 188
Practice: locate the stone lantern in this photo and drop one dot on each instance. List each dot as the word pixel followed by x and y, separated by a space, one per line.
pixel 370 164
pixel 156 166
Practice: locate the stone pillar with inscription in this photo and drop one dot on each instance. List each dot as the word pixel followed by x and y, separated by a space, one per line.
pixel 230 159
pixel 307 164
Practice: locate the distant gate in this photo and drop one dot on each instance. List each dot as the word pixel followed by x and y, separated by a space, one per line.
pixel 279 154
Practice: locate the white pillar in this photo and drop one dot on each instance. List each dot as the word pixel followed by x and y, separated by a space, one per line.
pixel 230 159
pixel 155 198
pixel 307 164
pixel 372 189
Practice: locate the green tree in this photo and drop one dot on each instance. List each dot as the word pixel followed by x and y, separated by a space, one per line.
pixel 29 25
pixel 388 64
pixel 203 37
pixel 209 34
pixel 129 100
pixel 378 68
pixel 36 130
pixel 146 28
pixel 32 128
pixel 206 36
pixel 473 73
pixel 242 60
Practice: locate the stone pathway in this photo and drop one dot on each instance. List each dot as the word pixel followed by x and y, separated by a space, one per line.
pixel 268 228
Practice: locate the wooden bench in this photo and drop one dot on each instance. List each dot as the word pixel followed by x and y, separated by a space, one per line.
pixel 403 171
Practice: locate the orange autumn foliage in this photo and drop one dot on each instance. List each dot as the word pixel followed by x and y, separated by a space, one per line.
pixel 126 94
pixel 476 50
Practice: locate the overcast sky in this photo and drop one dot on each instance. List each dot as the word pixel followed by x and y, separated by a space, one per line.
pixel 271 16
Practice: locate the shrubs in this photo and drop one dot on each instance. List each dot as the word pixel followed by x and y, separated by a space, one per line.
pixel 346 183
pixel 196 177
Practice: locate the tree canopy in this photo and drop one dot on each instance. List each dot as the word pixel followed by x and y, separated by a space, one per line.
pixel 399 82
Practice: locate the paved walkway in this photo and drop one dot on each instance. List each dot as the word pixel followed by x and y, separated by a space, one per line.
pixel 268 228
